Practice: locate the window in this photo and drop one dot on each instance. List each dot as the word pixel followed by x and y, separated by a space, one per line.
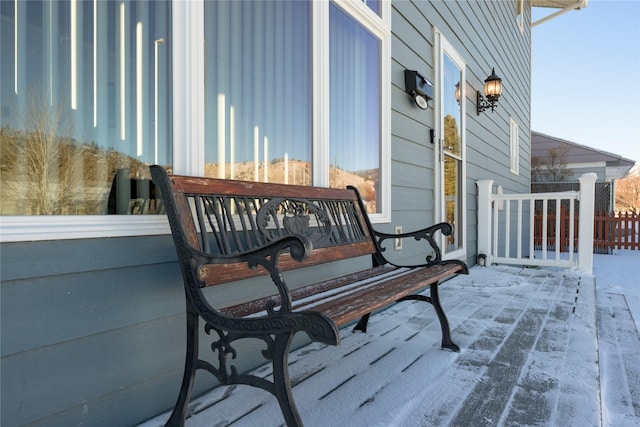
pixel 515 146
pixel 273 76
pixel 258 103
pixel 85 105
pixel 355 107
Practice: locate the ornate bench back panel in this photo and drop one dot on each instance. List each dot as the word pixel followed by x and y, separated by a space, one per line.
pixel 232 217
pixel 240 224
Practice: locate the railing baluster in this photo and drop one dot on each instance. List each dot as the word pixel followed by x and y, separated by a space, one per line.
pixel 532 208
pixel 558 231
pixel 519 247
pixel 571 228
pixel 494 250
pixel 507 228
pixel 544 229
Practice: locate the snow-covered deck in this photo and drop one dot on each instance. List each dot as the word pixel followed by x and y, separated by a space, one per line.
pixel 536 350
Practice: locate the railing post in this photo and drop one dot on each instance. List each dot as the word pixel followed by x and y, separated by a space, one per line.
pixel 585 226
pixel 484 218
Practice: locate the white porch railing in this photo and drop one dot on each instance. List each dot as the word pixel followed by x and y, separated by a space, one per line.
pixel 506 226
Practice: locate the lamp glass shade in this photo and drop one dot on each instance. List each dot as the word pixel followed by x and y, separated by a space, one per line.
pixel 493 88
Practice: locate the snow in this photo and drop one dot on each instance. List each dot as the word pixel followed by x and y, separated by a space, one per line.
pixel 619 273
pixel 617 279
pixel 540 346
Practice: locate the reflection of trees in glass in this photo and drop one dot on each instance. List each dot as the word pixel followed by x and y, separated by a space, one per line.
pixel 451 145
pixel 451 135
pixel 44 171
pixel 451 179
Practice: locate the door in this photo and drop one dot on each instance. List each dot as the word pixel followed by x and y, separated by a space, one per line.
pixel 450 152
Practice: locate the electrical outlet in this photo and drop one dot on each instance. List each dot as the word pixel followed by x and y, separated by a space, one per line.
pixel 397 244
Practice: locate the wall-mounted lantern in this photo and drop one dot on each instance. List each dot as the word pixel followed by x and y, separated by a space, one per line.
pixel 420 89
pixel 492 90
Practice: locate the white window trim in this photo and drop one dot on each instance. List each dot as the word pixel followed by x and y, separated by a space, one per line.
pixel 514 142
pixel 442 46
pixel 188 125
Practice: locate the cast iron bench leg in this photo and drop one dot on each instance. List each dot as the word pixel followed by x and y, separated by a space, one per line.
pixel 362 323
pixel 434 300
pixel 180 410
pixel 447 342
pixel 281 381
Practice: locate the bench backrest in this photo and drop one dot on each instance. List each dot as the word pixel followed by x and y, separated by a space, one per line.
pixel 226 217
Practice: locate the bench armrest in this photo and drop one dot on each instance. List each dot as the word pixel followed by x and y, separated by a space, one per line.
pixel 298 246
pixel 422 234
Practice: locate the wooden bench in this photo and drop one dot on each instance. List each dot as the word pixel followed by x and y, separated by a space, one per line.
pixel 225 231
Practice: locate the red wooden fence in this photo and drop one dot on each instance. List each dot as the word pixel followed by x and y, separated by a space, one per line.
pixel 611 231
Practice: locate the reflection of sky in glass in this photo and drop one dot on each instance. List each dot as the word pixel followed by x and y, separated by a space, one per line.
pixel 451 78
pixel 70 55
pixel 354 94
pixel 373 5
pixel 258 81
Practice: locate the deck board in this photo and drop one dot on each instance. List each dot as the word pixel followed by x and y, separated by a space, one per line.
pixel 529 357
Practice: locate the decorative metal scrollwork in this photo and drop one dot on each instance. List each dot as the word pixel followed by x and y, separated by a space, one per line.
pixel 281 217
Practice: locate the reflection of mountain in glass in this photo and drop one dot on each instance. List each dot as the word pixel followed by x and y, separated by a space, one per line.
pixel 298 172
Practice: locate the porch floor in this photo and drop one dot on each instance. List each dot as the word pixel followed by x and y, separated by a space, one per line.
pixel 532 354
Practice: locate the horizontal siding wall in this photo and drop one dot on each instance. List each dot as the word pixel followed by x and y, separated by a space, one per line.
pixel 486 35
pixel 93 330
pixel 89 326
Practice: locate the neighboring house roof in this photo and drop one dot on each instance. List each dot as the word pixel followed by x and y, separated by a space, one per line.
pixel 581 156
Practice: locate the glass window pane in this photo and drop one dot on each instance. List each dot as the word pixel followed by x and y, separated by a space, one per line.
pixel 354 107
pixel 258 91
pixel 452 91
pixel 85 92
pixel 452 201
pixel 451 105
pixel 373 5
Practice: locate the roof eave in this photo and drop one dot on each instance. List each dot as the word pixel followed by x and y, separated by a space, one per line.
pixel 564 6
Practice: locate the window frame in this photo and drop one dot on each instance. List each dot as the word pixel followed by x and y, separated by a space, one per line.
pixel 444 47
pixel 514 146
pixel 188 123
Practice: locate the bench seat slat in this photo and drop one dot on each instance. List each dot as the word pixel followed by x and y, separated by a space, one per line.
pixel 349 297
pixel 256 306
pixel 369 299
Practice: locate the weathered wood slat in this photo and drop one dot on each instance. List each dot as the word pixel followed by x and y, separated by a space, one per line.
pixel 215 274
pixel 256 306
pixel 348 298
pixel 371 298
pixel 194 185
